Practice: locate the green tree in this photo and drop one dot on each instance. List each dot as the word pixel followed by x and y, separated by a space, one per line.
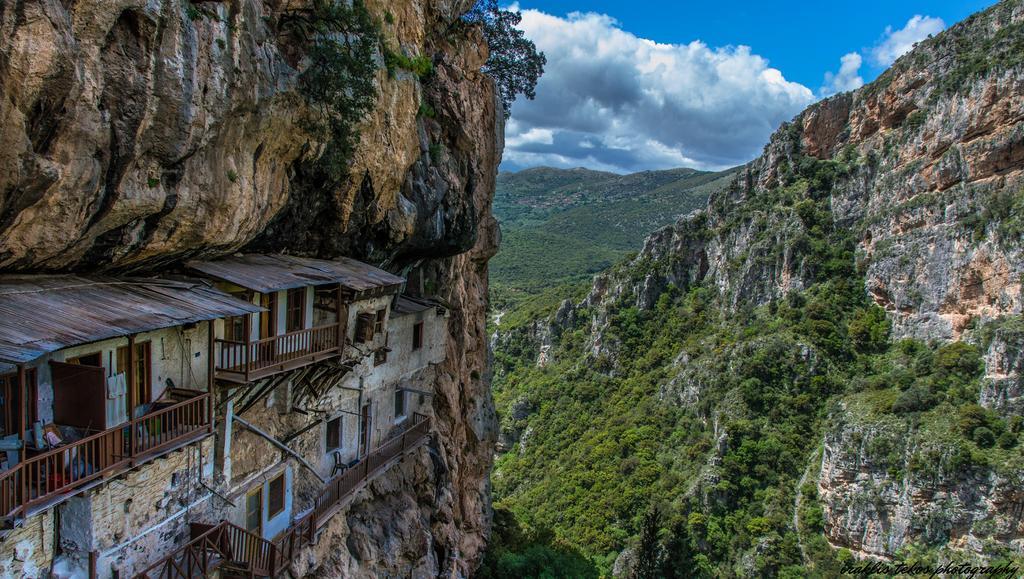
pixel 514 63
pixel 649 554
pixel 341 41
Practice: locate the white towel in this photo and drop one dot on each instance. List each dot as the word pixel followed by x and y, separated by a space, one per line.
pixel 117 385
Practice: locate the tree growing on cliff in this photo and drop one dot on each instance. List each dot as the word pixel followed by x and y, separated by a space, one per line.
pixel 341 41
pixel 515 64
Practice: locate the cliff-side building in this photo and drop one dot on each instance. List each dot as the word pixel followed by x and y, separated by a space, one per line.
pixel 107 418
pixel 181 428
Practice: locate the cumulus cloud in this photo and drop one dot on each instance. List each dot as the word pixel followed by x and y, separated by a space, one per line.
pixel 848 77
pixel 896 43
pixel 611 100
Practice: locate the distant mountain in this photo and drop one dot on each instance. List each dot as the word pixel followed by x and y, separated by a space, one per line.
pixel 562 225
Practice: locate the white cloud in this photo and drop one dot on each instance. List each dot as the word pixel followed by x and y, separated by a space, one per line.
pixel 896 43
pixel 848 77
pixel 611 100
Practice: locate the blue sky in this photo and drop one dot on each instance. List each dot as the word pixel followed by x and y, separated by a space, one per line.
pixel 651 84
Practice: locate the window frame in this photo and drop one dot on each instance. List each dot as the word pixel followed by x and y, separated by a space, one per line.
pixel 378 322
pixel 403 396
pixel 295 306
pixel 271 513
pixel 417 336
pixel 143 371
pixel 339 420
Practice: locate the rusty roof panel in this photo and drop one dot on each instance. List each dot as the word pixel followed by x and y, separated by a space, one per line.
pixel 405 305
pixel 268 273
pixel 41 314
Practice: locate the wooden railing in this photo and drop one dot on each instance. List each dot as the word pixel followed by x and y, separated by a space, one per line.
pixel 61 470
pixel 304 529
pixel 247 554
pixel 247 359
pixel 222 546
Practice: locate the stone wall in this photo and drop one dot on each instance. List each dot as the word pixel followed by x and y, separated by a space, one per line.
pixel 29 550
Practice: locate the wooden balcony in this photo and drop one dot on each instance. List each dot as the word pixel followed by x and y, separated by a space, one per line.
pixel 62 471
pixel 243 362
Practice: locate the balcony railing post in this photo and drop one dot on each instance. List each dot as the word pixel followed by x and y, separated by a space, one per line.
pixel 247 357
pixel 130 369
pixel 211 371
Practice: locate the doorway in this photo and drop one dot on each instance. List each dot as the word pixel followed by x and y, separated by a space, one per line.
pixel 364 430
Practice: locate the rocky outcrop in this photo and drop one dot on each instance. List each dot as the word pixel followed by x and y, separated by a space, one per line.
pixel 1003 389
pixel 136 134
pixel 884 485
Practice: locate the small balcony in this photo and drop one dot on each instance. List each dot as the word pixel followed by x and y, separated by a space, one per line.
pixel 243 362
pixel 47 476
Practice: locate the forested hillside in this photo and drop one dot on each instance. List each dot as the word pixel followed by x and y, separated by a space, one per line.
pixel 822 365
pixel 559 227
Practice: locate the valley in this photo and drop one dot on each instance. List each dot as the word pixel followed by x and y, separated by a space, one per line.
pixel 821 366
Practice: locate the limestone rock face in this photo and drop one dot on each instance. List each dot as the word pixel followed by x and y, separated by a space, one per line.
pixel 138 133
pixel 884 485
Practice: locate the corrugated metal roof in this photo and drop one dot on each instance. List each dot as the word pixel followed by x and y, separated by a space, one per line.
pixel 267 273
pixel 405 305
pixel 44 313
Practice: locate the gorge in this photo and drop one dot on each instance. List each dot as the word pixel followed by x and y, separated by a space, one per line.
pixel 286 212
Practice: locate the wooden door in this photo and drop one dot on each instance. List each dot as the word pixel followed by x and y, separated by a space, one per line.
pixel 268 319
pixel 79 395
pixel 266 349
pixel 254 511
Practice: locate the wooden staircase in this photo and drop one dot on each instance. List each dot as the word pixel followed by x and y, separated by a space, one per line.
pixel 229 550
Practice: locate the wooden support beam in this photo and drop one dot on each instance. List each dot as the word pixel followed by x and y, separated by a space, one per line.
pixel 22 408
pixel 211 367
pixel 248 342
pixel 280 445
pixel 130 380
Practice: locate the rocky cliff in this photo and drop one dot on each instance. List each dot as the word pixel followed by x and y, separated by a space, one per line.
pixel 913 186
pixel 136 134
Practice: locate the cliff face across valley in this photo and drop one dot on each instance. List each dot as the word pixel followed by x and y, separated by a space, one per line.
pixel 137 134
pixel 865 275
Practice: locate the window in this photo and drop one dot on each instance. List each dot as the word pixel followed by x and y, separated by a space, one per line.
pixel 254 511
pixel 275 496
pixel 417 336
pixel 364 328
pixel 234 329
pixel 399 404
pixel 378 324
pixel 295 315
pixel 143 374
pixel 234 326
pixel 381 355
pixel 334 434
